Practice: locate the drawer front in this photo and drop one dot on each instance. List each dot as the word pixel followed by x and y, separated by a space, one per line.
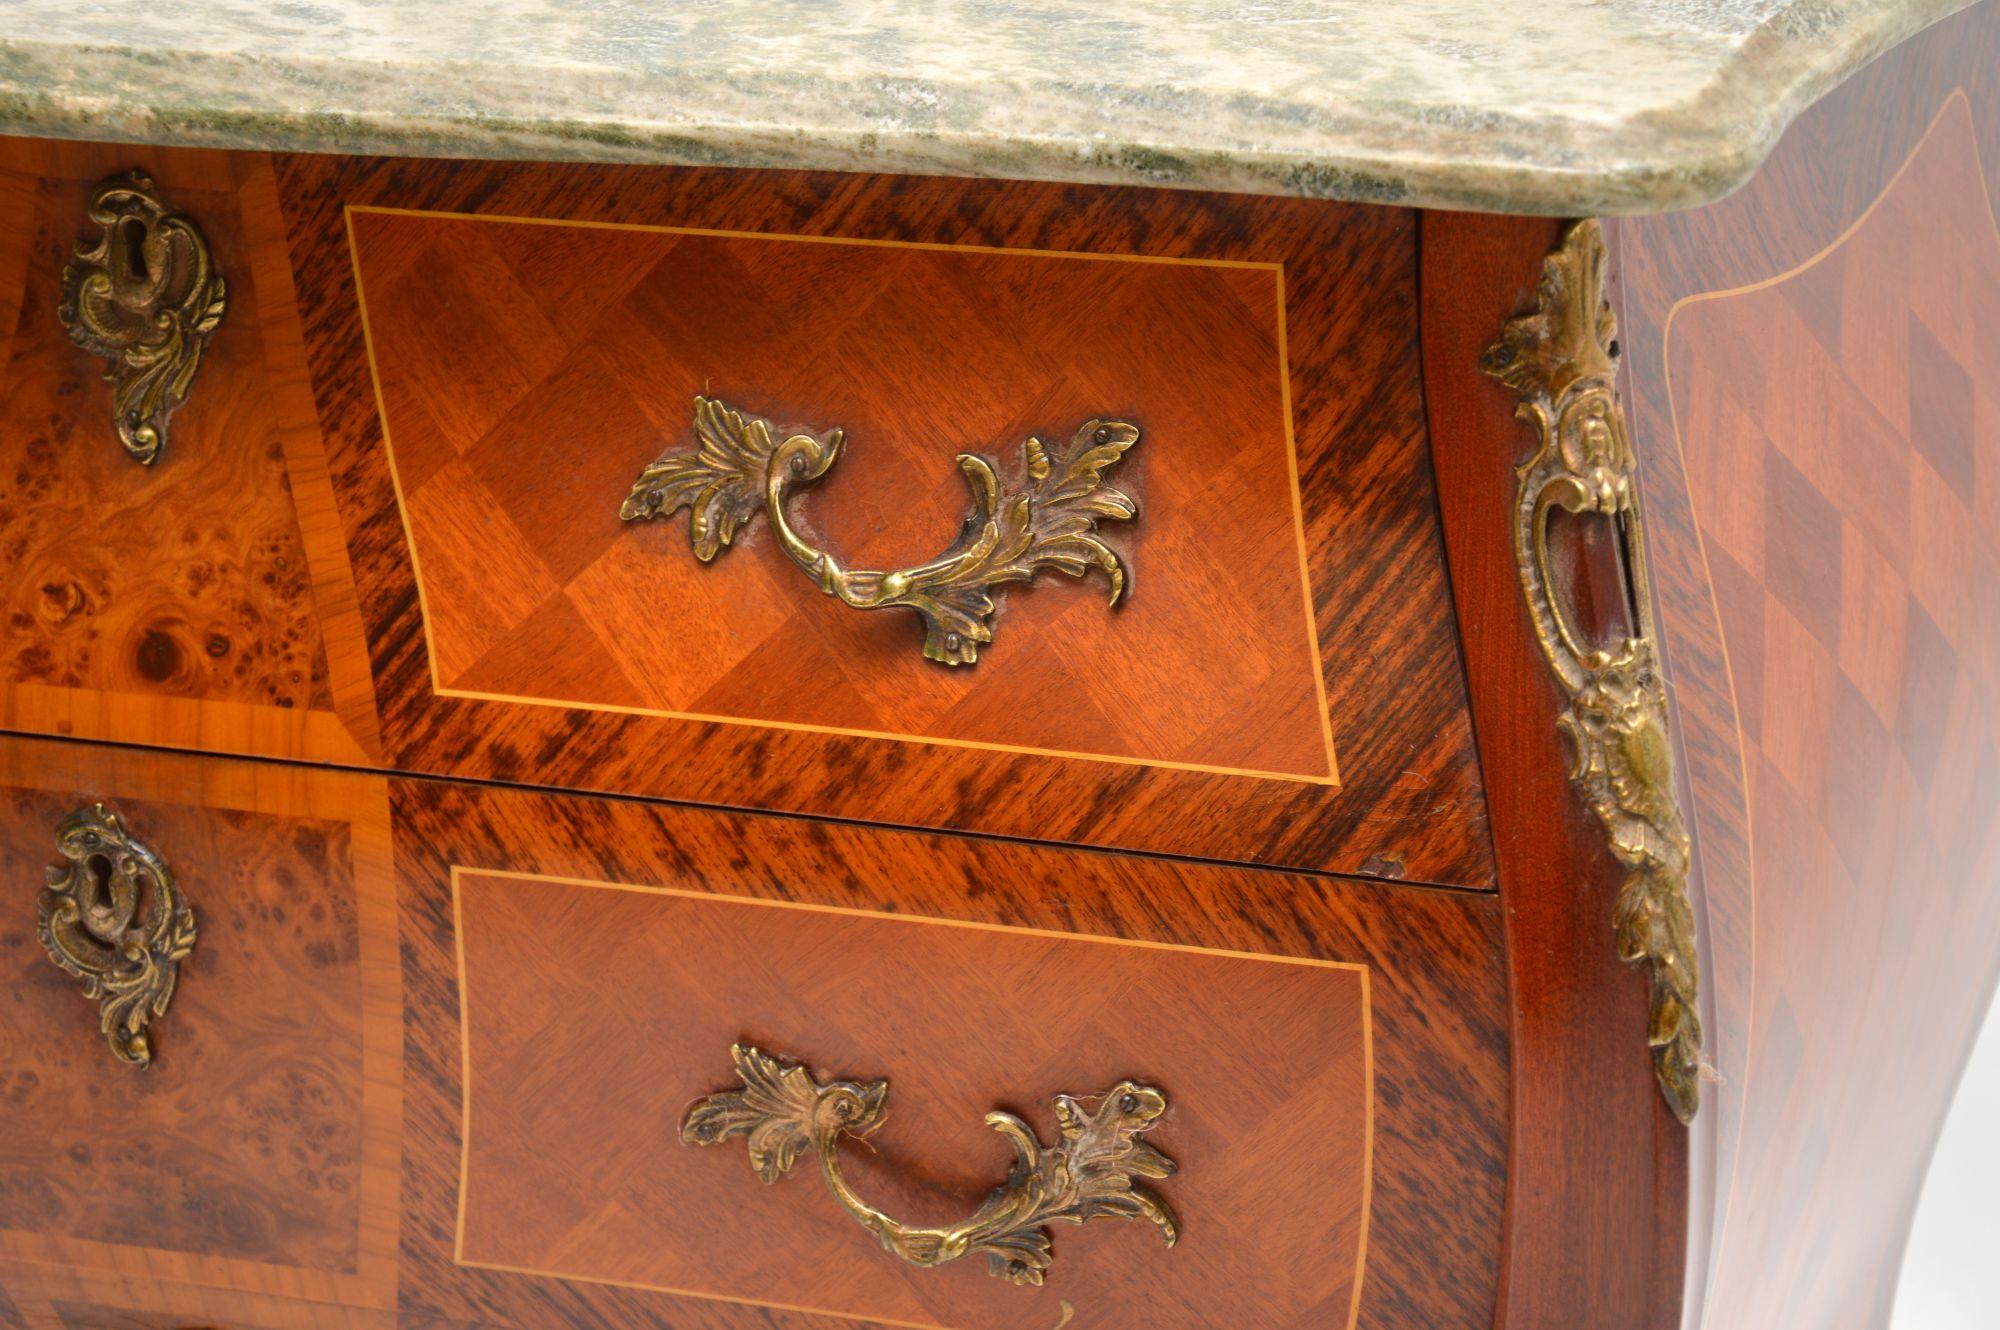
pixel 503 351
pixel 203 600
pixel 1117 527
pixel 1331 1058
pixel 494 1131
pixel 1268 1061
pixel 257 1154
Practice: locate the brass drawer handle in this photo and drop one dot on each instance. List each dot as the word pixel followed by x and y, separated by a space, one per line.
pixel 114 918
pixel 740 467
pixel 145 296
pixel 1090 1173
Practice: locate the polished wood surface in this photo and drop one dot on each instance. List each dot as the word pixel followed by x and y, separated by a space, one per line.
pixel 47 1298
pixel 1269 1106
pixel 1284 688
pixel 204 601
pixel 1353 1032
pixel 600 1043
pixel 187 1309
pixel 259 1152
pixel 528 373
pixel 1818 409
pixel 1597 1163
pixel 539 427
pixel 447 1081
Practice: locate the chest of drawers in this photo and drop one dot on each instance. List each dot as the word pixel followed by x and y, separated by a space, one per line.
pixel 652 743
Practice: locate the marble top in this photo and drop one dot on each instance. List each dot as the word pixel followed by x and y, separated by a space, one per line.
pixel 1551 106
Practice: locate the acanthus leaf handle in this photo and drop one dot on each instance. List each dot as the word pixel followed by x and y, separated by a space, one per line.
pixel 1097 1168
pixel 741 466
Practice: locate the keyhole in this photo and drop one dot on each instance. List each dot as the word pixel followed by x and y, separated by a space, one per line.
pixel 99 869
pixel 132 233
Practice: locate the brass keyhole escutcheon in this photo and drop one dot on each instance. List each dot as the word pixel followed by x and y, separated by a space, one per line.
pixel 114 917
pixel 145 296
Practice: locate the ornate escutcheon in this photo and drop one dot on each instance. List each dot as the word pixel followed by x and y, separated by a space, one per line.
pixel 114 918
pixel 1561 361
pixel 1091 1172
pixel 145 296
pixel 740 467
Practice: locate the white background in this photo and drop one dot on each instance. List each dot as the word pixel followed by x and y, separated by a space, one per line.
pixel 1951 1275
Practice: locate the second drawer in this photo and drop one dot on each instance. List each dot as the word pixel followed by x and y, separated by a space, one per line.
pixel 494 1036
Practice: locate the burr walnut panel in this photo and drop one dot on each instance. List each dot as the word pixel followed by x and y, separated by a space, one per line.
pixel 202 601
pixel 113 1182
pixel 257 1152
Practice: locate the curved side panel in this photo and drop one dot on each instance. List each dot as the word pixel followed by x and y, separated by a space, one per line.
pixel 1816 384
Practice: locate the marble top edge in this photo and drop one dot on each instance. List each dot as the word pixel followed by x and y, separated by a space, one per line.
pixel 1618 106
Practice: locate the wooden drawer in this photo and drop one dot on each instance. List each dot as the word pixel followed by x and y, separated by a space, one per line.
pixel 258 1153
pixel 205 600
pixel 430 572
pixel 490 1132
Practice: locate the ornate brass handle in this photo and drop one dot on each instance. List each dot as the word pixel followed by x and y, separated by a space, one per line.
pixel 115 919
pixel 1090 1173
pixel 1561 362
pixel 145 296
pixel 739 467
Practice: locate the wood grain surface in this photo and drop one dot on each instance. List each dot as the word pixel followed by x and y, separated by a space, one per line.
pixel 500 368
pixel 1818 406
pixel 1259 1055
pixel 204 601
pixel 534 426
pixel 1597 1184
pixel 598 1042
pixel 258 1154
pixel 1269 1111
pixel 48 1299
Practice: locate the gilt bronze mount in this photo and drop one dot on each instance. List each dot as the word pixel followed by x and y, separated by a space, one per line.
pixel 115 918
pixel 1091 1172
pixel 145 296
pixel 1561 361
pixel 740 467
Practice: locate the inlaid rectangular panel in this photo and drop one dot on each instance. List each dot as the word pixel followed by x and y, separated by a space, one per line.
pixel 486 352
pixel 203 601
pixel 258 1151
pixel 1332 1057
pixel 1269 1110
pixel 499 350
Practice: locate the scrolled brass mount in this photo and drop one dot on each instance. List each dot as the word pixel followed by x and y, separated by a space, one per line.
pixel 1091 1172
pixel 740 467
pixel 114 917
pixel 145 296
pixel 1561 362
